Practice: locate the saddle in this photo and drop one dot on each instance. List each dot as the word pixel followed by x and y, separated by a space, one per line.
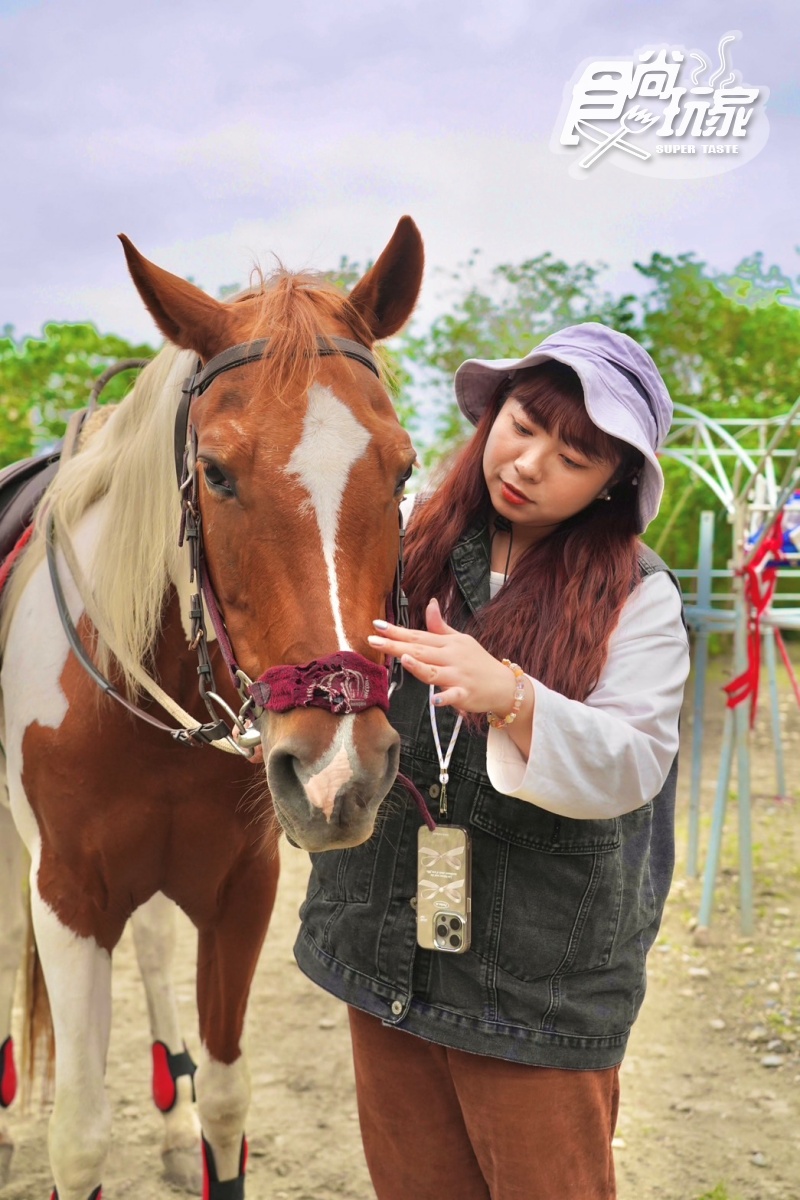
pixel 22 486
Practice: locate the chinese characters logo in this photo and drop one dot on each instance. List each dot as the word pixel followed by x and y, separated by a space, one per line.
pixel 666 111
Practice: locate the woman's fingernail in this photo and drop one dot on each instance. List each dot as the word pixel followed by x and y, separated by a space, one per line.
pixel 437 700
pixel 381 624
pixel 376 641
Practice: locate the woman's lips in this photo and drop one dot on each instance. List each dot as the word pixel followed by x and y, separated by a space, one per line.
pixel 511 495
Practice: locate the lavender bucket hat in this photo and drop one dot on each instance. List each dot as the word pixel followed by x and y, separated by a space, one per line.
pixel 624 393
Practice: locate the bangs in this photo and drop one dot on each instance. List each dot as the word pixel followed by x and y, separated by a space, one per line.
pixel 552 395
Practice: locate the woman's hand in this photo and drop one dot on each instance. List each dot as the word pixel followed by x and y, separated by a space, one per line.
pixel 467 676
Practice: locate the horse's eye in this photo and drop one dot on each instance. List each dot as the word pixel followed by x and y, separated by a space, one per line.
pixel 402 481
pixel 217 481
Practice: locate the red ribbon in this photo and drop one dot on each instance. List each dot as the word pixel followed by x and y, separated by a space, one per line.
pixel 759 586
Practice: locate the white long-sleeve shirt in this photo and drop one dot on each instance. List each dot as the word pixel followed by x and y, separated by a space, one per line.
pixel 611 753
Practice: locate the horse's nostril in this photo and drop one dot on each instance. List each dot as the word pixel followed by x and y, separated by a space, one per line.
pixel 283 773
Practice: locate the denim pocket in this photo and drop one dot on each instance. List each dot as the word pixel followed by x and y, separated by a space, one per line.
pixel 523 824
pixel 559 891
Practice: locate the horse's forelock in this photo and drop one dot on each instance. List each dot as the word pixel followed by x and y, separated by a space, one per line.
pixel 292 309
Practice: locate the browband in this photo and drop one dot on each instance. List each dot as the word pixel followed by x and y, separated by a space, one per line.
pixel 249 352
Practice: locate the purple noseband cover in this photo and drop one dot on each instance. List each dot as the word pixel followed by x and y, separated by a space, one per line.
pixel 342 683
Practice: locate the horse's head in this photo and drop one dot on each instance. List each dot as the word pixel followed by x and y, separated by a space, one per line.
pixel 301 467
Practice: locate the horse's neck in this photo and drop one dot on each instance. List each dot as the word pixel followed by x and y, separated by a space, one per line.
pixel 86 541
pixel 174 662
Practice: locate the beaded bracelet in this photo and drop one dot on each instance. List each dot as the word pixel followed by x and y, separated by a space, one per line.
pixel 519 695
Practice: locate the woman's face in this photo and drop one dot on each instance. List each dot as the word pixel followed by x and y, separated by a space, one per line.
pixel 534 479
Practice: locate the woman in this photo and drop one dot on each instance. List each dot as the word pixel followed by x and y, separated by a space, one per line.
pixel 489 1067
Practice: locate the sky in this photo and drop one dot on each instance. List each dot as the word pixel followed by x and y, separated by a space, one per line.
pixel 216 136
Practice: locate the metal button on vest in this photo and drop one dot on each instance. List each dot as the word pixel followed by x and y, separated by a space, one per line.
pixel 433 791
pixel 397 1007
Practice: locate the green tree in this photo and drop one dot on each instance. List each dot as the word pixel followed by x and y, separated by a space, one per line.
pixel 42 380
pixel 727 345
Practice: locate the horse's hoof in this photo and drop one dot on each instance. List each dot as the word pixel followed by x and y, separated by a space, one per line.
pixel 6 1154
pixel 183 1168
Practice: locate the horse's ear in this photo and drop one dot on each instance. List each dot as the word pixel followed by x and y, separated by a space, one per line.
pixel 183 313
pixel 386 296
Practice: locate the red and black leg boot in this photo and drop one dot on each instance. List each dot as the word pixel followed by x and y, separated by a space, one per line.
pixel 231 1189
pixel 8 1073
pixel 167 1070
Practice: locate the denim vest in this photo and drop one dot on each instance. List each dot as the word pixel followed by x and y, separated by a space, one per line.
pixel 564 911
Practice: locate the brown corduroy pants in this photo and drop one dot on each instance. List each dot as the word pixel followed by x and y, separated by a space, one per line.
pixel 441 1124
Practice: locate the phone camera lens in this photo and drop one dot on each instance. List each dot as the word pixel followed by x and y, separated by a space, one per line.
pixel 441 931
pixel 455 940
pixel 455 923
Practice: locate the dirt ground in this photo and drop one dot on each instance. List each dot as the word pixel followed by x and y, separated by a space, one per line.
pixel 711 1082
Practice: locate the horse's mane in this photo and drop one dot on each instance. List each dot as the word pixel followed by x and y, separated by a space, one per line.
pixel 128 464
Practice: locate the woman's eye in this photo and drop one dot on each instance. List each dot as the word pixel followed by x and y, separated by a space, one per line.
pixel 523 429
pixel 217 481
pixel 570 462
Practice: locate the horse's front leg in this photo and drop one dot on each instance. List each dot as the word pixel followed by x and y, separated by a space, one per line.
pixel 77 971
pixel 12 936
pixel 154 935
pixel 228 952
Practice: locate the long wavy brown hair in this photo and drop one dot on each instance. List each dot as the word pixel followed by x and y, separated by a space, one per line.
pixel 562 601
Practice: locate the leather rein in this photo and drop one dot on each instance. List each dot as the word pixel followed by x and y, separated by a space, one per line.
pixel 343 682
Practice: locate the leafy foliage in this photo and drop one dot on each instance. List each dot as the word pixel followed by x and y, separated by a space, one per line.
pixel 728 344
pixel 725 344
pixel 43 379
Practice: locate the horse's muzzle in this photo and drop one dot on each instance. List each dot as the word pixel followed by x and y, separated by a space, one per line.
pixel 328 775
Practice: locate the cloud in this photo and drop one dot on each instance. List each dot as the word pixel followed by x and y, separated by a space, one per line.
pixel 213 136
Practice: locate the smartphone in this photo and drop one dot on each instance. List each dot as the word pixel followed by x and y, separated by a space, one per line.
pixel 444 899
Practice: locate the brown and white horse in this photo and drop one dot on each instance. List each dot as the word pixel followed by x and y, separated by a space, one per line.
pixel 296 464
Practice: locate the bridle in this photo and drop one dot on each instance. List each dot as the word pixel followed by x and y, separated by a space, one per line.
pixel 344 682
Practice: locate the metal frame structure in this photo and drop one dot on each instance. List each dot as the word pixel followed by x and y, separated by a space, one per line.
pixel 752 466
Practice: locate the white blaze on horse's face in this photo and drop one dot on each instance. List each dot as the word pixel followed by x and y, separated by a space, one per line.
pixel 332 441
pixel 323 787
